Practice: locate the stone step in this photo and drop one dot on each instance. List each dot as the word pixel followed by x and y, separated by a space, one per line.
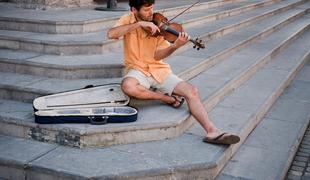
pixel 187 65
pixel 221 12
pixel 185 157
pixel 107 65
pixel 97 43
pixel 269 150
pixel 71 21
pixel 218 82
pixel 98 66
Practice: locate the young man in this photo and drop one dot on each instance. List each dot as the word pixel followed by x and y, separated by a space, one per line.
pixel 145 69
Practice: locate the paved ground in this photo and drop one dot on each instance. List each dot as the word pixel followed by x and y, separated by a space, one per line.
pixel 300 168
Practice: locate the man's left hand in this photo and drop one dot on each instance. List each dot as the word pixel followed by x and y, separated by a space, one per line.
pixel 182 39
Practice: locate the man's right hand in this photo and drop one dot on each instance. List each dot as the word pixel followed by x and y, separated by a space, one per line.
pixel 150 26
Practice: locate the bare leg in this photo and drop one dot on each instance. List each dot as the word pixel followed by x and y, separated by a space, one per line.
pixel 131 87
pixel 196 107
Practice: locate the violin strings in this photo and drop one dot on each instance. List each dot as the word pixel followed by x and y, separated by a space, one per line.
pixel 183 11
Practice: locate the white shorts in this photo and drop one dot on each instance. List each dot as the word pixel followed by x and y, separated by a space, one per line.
pixel 149 82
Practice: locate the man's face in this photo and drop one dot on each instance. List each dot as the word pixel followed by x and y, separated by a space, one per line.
pixel 145 13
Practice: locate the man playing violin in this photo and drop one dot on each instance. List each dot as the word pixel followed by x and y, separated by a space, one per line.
pixel 145 67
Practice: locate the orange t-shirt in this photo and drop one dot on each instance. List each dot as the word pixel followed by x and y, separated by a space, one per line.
pixel 139 51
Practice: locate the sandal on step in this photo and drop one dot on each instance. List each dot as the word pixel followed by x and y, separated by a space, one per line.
pixel 178 99
pixel 223 138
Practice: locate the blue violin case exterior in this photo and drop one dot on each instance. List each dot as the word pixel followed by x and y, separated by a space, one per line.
pixel 94 104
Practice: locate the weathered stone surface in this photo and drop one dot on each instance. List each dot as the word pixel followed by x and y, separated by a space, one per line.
pixel 17 153
pixel 268 151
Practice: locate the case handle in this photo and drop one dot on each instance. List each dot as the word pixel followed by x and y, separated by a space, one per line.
pixel 95 120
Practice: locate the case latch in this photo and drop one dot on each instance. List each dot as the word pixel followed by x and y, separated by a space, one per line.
pixel 97 120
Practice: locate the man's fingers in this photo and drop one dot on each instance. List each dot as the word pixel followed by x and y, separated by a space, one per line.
pixel 184 35
pixel 155 29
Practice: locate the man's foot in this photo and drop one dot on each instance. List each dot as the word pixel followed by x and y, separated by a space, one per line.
pixel 178 101
pixel 222 138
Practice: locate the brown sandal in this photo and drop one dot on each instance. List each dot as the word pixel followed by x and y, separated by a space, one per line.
pixel 181 101
pixel 223 138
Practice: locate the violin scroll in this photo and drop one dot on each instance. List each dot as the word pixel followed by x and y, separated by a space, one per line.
pixel 198 44
pixel 170 31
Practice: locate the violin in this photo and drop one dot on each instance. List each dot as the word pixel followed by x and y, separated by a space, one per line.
pixel 170 31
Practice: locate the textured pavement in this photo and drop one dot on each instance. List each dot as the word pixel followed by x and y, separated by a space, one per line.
pixel 300 168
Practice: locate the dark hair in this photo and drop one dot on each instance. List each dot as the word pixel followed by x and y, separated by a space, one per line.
pixel 137 4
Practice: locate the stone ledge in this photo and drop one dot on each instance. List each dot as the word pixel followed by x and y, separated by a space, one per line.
pixel 149 125
pixel 89 44
pixel 71 21
pixel 275 140
pixel 62 65
pixel 183 157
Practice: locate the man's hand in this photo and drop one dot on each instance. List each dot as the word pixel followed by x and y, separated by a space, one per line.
pixel 149 26
pixel 182 39
pixel 116 32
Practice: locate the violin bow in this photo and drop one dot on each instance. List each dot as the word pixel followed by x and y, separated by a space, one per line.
pixel 183 11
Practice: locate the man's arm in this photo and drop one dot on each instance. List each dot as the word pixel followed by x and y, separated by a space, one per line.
pixel 179 42
pixel 116 32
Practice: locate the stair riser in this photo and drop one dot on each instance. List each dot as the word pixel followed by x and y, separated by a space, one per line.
pixel 224 14
pixel 18 95
pixel 49 4
pixel 197 7
pixel 154 175
pixel 79 73
pixel 8 171
pixel 75 49
pixel 149 134
pixel 54 28
pixel 60 49
pixel 204 170
pixel 62 73
pixel 212 172
pixel 198 171
pixel 186 75
pixel 240 79
pixel 217 97
pixel 274 97
pixel 233 28
pixel 256 118
pixel 63 27
pixel 208 63
pixel 48 133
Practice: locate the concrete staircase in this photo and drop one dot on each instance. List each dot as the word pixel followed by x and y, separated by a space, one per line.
pixel 253 51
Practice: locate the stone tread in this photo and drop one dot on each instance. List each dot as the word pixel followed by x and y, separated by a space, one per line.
pixel 186 155
pixel 214 48
pixel 106 60
pixel 65 16
pixel 69 21
pixel 247 16
pixel 48 85
pixel 217 11
pixel 214 80
pixel 99 38
pixel 268 151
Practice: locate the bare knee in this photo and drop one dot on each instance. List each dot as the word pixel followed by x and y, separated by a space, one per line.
pixel 192 92
pixel 129 86
pixel 187 90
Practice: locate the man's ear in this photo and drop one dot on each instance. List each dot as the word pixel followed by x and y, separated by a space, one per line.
pixel 133 9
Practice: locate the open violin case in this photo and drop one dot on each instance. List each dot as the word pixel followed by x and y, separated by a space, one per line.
pixel 93 104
